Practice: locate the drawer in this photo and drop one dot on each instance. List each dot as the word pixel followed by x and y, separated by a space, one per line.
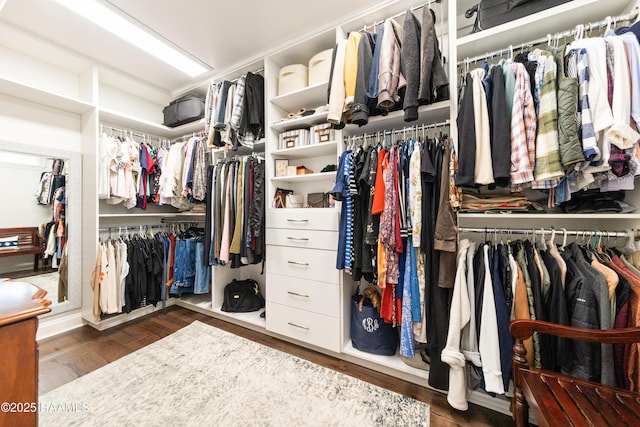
pixel 313 239
pixel 316 329
pixel 304 294
pixel 312 264
pixel 304 219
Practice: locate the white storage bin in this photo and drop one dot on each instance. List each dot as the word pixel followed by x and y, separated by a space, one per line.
pixel 293 138
pixel 322 133
pixel 320 67
pixel 292 77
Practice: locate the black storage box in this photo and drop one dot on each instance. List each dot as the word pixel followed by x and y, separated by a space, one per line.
pixel 185 109
pixel 495 12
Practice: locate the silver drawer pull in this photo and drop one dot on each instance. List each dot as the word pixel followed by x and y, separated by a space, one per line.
pixel 304 264
pixel 298 326
pixel 298 238
pixel 297 220
pixel 297 294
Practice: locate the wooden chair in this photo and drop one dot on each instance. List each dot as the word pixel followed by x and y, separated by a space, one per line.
pixel 556 399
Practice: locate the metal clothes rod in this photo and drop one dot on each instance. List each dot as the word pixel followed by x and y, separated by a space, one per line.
pixel 375 24
pixel 131 132
pixel 557 36
pixel 558 232
pixel 415 128
pixel 258 71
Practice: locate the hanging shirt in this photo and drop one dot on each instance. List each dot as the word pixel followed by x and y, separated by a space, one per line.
pixel 523 129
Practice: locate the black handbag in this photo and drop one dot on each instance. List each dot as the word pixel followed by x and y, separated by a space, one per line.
pixel 242 296
pixel 369 332
pixel 495 12
pixel 185 109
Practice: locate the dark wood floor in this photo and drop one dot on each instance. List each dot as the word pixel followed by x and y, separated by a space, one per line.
pixel 70 355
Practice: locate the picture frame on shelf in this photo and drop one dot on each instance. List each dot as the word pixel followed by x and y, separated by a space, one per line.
pixel 281 167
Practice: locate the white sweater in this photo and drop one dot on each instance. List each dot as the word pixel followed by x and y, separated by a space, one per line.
pixel 458 319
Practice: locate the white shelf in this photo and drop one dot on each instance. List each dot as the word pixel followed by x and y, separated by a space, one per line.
pixel 127 121
pixel 118 319
pixel 300 122
pixel 312 177
pixel 43 97
pixel 201 302
pixel 252 318
pixel 316 150
pixel 394 362
pixel 427 114
pixel 537 25
pixel 308 97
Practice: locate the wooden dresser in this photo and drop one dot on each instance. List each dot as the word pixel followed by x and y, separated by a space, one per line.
pixel 20 304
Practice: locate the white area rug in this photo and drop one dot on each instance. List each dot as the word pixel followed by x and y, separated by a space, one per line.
pixel 204 376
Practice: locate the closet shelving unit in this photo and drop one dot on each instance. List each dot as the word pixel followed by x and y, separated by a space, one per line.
pixel 301 243
pixel 514 35
pixel 222 275
pixel 83 95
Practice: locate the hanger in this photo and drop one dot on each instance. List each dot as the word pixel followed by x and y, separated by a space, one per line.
pixel 543 244
pixel 564 239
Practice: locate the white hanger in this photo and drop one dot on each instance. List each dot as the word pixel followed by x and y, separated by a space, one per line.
pixel 543 244
pixel 564 238
pixel 553 236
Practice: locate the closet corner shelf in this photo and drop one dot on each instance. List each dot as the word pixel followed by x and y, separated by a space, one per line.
pixel 316 150
pixel 543 216
pixel 43 97
pixel 141 125
pixel 432 113
pixel 312 177
pixel 308 97
pixel 252 318
pixel 555 19
pixel 201 303
pixel 300 122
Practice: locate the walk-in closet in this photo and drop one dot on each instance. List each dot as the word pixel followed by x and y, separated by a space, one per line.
pixel 395 181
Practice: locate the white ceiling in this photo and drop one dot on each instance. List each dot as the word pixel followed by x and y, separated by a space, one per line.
pixel 222 34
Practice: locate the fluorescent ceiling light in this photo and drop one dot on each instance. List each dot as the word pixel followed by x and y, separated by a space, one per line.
pixel 116 23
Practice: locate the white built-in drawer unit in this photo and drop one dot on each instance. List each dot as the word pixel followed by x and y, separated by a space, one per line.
pixel 304 219
pixel 313 328
pixel 303 294
pixel 313 264
pixel 315 239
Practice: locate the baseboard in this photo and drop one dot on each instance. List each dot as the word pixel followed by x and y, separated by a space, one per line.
pixel 54 325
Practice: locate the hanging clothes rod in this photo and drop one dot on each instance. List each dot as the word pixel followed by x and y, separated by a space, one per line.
pixel 415 128
pixel 131 132
pixel 609 20
pixel 258 71
pixel 561 232
pixel 375 24
pixel 186 137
